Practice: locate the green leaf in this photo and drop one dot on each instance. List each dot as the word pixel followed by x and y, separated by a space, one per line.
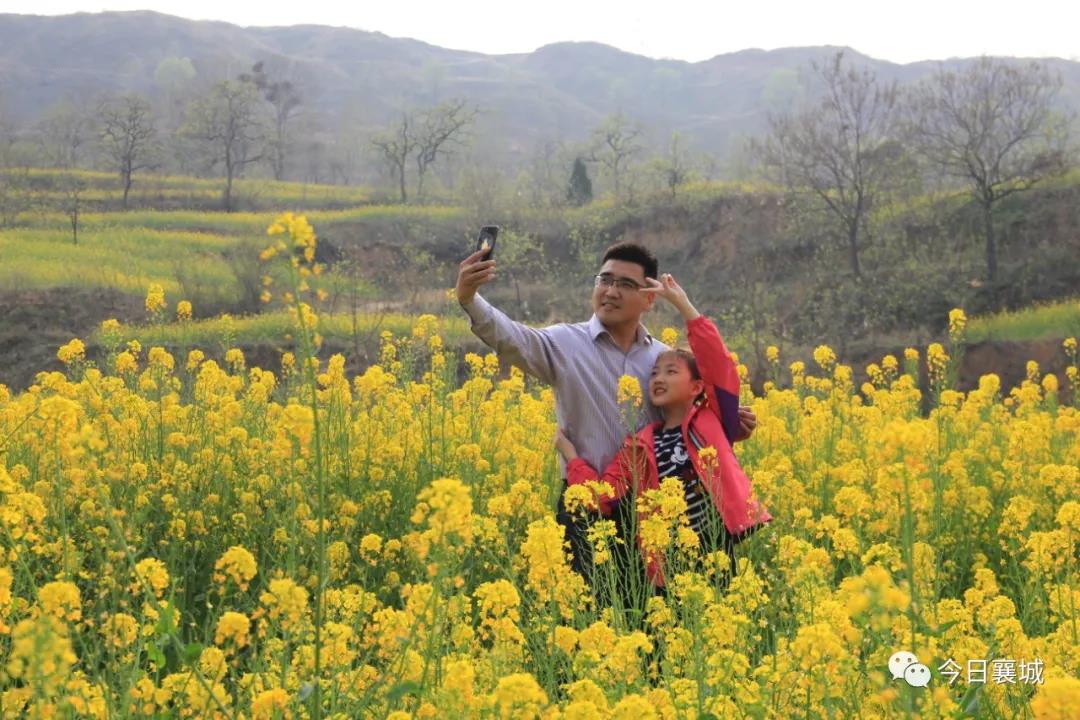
pixel 192 651
pixel 166 624
pixel 400 690
pixel 156 656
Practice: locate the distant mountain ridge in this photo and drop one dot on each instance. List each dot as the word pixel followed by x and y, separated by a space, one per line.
pixel 366 78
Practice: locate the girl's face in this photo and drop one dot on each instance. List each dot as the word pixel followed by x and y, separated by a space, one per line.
pixel 671 383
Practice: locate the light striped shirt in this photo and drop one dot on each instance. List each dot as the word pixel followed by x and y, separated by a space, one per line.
pixel 582 363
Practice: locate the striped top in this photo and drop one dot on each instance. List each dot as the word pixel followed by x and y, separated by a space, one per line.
pixel 672 460
pixel 582 364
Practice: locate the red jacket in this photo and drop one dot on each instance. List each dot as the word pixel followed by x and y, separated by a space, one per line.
pixel 713 423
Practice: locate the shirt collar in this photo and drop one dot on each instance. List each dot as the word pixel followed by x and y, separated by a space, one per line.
pixel 596 329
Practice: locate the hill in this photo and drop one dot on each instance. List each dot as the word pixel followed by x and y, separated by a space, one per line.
pixel 363 79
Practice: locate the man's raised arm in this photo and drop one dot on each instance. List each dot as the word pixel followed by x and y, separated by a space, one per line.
pixel 525 347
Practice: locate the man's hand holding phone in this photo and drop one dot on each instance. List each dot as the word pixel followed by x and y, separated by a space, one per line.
pixel 478 268
pixel 473 272
pixel 486 240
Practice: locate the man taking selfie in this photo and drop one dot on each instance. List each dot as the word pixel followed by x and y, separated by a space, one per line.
pixel 582 361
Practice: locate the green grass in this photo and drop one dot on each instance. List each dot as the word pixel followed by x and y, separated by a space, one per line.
pixel 48 184
pixel 125 259
pixel 276 328
pixel 182 250
pixel 1053 320
pixel 248 223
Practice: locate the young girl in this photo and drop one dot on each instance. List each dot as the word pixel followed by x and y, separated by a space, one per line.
pixel 698 394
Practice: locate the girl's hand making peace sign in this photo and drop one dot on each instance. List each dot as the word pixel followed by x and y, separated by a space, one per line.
pixel 667 288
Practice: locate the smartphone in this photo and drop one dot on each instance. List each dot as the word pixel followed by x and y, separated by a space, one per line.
pixel 486 240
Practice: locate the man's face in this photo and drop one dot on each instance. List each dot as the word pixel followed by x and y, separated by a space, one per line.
pixel 617 303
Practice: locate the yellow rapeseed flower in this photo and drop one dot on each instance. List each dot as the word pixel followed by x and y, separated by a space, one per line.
pixel 707 455
pixel 937 361
pixel 120 630
pixel 298 229
pixel 41 655
pixel 825 357
pixel 158 357
pixel 1057 699
pixel 194 359
pixel 957 324
pixel 155 299
pixel 629 391
pixel 74 351
pixel 236 564
pixel 285 603
pixel 153 573
pixel 232 629
pixel 272 704
pixel 518 695
pixel 1032 369
pixel 61 600
pixel 579 498
pixel 444 509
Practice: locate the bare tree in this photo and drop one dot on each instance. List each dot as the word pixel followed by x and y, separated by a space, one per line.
pixel 73 188
pixel 227 124
pixel 14 180
pixel 315 152
pixel 674 167
pixel 7 131
pixel 836 152
pixel 63 134
pixel 175 87
pixel 128 136
pixel 423 137
pixel 16 194
pixel 543 181
pixel 394 147
pixel 523 257
pixel 615 143
pixel 284 97
pixel 994 127
pixel 440 131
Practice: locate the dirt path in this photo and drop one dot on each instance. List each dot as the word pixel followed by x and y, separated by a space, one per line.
pixel 34 323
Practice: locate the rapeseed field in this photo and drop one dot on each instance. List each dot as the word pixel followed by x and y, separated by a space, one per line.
pixel 183 538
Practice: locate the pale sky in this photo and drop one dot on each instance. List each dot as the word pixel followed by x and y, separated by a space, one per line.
pixel 692 30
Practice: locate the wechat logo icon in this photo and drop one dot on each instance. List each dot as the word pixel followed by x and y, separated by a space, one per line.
pixel 904 664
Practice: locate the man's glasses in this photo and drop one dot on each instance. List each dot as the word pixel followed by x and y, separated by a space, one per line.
pixel 625 284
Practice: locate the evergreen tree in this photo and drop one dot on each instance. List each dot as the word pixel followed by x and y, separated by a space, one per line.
pixel 580 191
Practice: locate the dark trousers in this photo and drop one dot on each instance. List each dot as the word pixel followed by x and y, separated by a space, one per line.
pixel 625 558
pixel 624 554
pixel 576 527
